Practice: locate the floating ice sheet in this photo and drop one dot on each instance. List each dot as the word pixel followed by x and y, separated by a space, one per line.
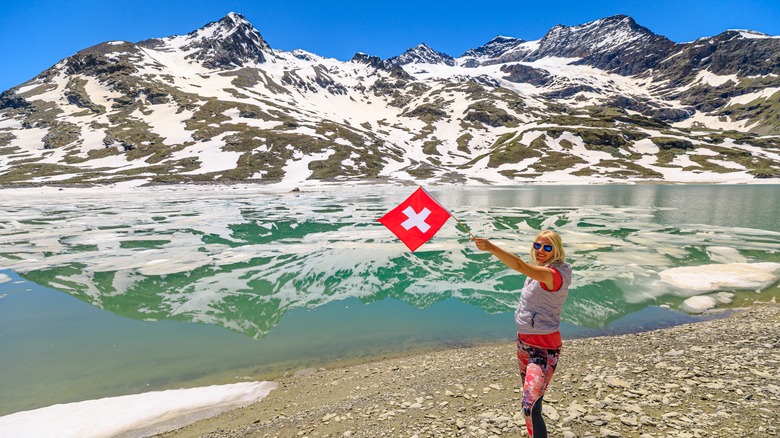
pixel 693 280
pixel 702 303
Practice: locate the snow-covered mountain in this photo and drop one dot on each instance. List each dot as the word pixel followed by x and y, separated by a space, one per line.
pixel 607 101
pixel 421 54
pixel 615 44
pixel 228 43
pixel 499 50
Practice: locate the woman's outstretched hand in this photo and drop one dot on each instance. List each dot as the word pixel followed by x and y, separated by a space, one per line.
pixel 482 244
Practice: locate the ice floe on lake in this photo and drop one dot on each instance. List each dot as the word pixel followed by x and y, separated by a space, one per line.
pixel 702 303
pixel 699 281
pixel 694 280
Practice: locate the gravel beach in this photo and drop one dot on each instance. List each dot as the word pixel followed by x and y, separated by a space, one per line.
pixel 716 378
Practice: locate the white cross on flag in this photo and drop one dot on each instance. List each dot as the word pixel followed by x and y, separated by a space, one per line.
pixel 416 219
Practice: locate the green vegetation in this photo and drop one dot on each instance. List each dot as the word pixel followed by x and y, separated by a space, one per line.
pixel 511 152
pixel 28 171
pixel 553 161
pixel 463 142
pixel 430 147
pixel 334 131
pixel 137 139
pixel 566 144
pixel 77 95
pixel 486 113
pixel 621 169
pixel 670 148
pixel 5 140
pixel 421 170
pixel 666 143
pixel 757 165
pixel 595 139
pixel 61 133
pixel 764 114
pixel 426 112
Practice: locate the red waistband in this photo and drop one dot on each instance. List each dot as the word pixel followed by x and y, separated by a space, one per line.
pixel 551 341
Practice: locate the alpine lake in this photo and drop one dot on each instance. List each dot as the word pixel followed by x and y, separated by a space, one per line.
pixel 106 293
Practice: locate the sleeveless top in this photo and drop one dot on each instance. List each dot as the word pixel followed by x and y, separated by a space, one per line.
pixel 539 310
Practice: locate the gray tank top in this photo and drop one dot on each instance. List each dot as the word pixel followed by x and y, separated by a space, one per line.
pixel 539 310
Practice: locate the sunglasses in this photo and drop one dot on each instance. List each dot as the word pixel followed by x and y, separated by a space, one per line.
pixel 547 248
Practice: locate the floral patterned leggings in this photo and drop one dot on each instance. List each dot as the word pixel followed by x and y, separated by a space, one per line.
pixel 537 366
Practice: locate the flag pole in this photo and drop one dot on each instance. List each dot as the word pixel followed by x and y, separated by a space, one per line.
pixel 448 211
pixel 463 226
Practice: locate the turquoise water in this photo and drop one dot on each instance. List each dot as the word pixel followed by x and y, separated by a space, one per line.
pixel 109 293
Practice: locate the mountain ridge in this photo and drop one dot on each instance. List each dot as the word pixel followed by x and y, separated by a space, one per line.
pixel 607 100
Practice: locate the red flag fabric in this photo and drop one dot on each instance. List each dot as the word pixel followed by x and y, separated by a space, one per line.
pixel 416 219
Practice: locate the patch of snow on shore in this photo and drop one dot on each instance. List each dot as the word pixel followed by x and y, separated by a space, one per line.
pixel 134 415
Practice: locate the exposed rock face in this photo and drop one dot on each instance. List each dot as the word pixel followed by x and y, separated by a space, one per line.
pixel 653 109
pixel 373 61
pixel 102 60
pixel 421 54
pixel 616 44
pixel 499 50
pixel 526 74
pixel 227 43
pixel 730 53
pixel 8 99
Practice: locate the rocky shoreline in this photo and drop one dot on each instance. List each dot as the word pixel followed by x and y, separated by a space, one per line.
pixel 716 378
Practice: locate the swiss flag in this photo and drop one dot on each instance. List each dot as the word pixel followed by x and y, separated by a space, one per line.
pixel 416 219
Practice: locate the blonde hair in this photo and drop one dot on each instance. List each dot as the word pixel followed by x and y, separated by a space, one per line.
pixel 559 255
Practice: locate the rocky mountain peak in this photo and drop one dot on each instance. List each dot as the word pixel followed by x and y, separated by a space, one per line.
pixel 739 34
pixel 496 45
pixel 616 44
pixel 600 35
pixel 228 43
pixel 746 33
pixel 421 54
pixel 500 49
pixel 725 54
pixel 365 58
pixel 234 19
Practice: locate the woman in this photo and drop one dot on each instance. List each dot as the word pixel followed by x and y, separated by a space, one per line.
pixel 538 318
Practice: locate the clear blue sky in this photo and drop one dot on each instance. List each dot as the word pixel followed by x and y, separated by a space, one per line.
pixel 36 34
